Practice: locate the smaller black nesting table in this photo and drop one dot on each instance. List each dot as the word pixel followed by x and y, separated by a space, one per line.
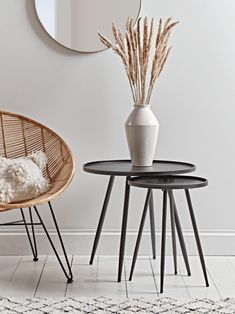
pixel 113 168
pixel 167 184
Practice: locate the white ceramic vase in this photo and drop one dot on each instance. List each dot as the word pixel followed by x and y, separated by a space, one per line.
pixel 142 133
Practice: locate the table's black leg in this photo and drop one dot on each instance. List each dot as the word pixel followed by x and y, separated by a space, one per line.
pixel 146 205
pixel 102 217
pixel 181 237
pixel 193 219
pixel 172 214
pixel 123 231
pixel 152 225
pixel 172 211
pixel 162 267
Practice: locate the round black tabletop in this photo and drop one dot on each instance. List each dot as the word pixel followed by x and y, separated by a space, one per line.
pixel 169 182
pixel 125 168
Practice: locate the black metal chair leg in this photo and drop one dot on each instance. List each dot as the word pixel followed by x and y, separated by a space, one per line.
pixel 181 238
pixel 146 205
pixel 102 217
pixel 152 225
pixel 33 247
pixel 172 212
pixel 199 247
pixel 68 275
pixel 34 238
pixel 123 231
pixel 162 266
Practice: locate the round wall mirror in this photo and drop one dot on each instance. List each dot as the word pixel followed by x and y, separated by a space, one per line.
pixel 75 23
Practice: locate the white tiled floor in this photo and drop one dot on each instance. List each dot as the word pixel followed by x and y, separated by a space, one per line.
pixel 20 276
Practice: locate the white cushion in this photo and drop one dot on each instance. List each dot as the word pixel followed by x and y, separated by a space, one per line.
pixel 22 178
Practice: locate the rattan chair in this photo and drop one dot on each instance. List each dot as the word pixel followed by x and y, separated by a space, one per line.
pixel 20 136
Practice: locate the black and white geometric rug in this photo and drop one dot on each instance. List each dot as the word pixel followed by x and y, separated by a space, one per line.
pixel 103 305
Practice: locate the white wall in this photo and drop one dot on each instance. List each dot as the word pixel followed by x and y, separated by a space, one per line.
pixel 86 99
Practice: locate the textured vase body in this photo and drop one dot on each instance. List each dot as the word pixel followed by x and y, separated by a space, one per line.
pixel 142 133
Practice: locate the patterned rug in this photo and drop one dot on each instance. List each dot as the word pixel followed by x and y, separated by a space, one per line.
pixel 101 305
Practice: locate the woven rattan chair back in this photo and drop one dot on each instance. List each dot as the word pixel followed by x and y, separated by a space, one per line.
pixel 20 136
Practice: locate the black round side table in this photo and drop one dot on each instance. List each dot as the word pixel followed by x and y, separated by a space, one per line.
pixel 124 168
pixel 167 184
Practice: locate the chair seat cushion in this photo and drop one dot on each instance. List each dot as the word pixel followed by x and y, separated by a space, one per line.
pixel 22 178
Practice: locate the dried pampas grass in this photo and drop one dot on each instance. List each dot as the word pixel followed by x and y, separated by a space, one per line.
pixel 134 48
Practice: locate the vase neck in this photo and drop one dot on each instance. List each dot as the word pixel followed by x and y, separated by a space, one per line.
pixel 142 106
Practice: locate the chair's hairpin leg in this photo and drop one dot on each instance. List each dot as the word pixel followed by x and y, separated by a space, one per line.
pixel 33 244
pixel 68 275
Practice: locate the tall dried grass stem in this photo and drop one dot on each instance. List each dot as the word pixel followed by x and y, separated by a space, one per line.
pixel 134 48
